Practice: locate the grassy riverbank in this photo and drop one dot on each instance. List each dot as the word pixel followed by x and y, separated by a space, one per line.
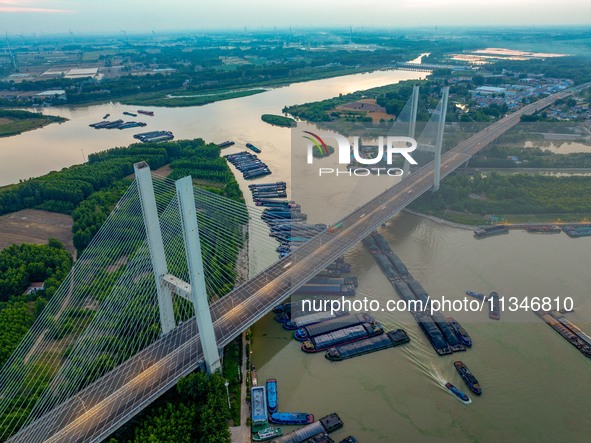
pixel 14 122
pixel 519 198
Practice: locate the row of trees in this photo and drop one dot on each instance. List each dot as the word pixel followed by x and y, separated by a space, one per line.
pixel 21 264
pixel 196 413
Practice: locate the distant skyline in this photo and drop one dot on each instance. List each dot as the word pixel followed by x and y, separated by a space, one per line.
pixel 133 16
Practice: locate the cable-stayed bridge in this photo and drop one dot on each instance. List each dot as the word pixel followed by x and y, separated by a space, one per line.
pixel 122 328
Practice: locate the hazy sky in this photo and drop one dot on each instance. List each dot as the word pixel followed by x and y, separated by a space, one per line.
pixel 61 16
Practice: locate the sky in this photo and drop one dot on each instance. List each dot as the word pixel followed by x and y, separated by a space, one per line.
pixel 105 16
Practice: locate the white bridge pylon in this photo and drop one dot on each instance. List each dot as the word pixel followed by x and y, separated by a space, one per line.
pixel 166 283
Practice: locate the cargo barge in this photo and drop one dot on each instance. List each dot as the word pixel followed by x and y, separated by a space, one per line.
pixel 342 337
pixel 314 432
pixel 332 325
pixel 460 331
pixel 131 114
pixel 154 136
pixel 448 332
pixel 543 229
pixel 577 231
pixel 573 338
pixel 291 418
pixel 369 345
pixel 268 185
pixel 141 111
pixel 433 334
pixel 487 231
pixel 253 148
pixel 271 386
pixel 403 291
pixel 332 280
pixel 248 164
pixel 344 289
pixel 419 292
pixel 468 377
pixel 226 144
pixel 311 319
pixel 258 404
pixel 494 307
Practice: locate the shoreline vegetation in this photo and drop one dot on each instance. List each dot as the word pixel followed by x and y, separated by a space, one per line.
pixel 197 407
pixel 477 199
pixel 278 120
pixel 14 122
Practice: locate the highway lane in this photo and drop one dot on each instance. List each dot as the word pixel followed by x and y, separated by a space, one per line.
pixel 102 407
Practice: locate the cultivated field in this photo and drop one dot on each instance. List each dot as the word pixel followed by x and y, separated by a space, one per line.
pixel 34 226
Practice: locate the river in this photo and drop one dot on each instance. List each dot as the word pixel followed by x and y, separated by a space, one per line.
pixel 536 386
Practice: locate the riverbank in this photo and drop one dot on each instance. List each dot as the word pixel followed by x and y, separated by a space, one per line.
pixel 14 122
pixel 515 223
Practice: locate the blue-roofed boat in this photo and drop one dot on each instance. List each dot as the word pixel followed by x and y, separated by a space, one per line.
pixel 291 418
pixel 458 394
pixel 272 395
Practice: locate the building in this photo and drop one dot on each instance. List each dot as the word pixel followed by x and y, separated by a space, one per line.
pixel 58 94
pixel 489 90
pixel 34 287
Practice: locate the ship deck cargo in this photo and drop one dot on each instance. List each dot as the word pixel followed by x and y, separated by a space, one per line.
pixel 418 291
pixel 570 335
pixel 372 344
pixel 403 291
pixel 397 263
pixel 341 337
pixel 258 399
pixel 448 332
pixel 332 325
pixel 371 244
pixel 386 266
pixel 433 334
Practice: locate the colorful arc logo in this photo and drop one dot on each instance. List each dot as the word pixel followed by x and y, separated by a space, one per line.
pixel 318 142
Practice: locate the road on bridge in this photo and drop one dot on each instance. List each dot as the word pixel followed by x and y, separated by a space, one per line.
pixel 105 405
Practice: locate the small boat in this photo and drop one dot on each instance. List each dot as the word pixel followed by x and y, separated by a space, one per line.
pixel 141 111
pixel 253 148
pixel 291 418
pixel 477 295
pixel 106 116
pixel 272 395
pixel 460 332
pixel 468 377
pixel 267 434
pixel 129 113
pixel 459 394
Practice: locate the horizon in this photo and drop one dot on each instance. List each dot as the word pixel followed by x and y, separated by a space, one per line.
pixel 55 17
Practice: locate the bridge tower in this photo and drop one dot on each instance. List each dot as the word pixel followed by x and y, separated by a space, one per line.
pixel 439 139
pixel 167 284
pixel 414 106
